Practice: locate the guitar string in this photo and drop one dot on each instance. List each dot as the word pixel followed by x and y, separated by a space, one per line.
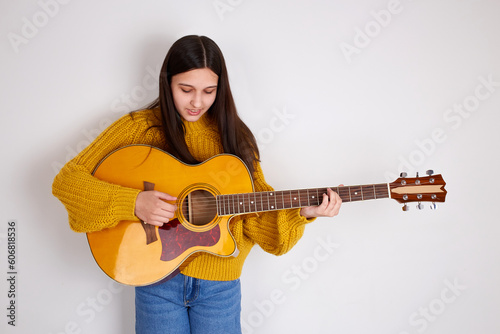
pixel 246 196
pixel 283 196
pixel 233 204
pixel 347 193
pixel 213 205
pixel 286 193
pixel 299 193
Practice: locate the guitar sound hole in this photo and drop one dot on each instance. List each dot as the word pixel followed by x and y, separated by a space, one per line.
pixel 199 207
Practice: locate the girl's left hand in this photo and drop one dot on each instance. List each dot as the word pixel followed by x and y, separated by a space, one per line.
pixel 330 206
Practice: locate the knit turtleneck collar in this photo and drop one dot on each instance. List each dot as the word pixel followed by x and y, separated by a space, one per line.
pixel 201 124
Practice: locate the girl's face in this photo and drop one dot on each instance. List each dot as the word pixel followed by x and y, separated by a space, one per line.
pixel 194 92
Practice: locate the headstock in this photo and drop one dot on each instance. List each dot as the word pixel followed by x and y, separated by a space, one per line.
pixel 419 189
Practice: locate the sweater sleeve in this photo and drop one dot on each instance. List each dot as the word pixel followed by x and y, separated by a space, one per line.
pixel 93 204
pixel 276 232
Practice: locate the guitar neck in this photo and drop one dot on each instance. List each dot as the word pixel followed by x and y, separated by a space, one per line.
pixel 292 199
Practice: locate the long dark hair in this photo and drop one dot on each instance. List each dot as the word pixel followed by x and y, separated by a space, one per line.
pixel 195 52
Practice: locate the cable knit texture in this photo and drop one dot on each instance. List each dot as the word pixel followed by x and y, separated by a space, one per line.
pixel 94 205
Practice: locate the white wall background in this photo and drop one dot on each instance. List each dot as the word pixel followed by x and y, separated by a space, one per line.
pixel 335 91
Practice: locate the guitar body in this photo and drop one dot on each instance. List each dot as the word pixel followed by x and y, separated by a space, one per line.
pixel 208 196
pixel 139 254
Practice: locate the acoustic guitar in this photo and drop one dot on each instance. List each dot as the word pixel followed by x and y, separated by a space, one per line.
pixel 208 195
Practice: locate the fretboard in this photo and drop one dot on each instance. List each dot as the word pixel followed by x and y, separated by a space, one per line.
pixel 291 199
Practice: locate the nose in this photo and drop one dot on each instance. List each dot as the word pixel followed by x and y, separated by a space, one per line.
pixel 196 101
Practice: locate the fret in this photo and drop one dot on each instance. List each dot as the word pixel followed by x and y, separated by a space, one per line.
pixel 234 207
pixel 219 213
pixel 235 203
pixel 251 202
pixel 230 207
pixel 294 199
pixel 245 202
pixel 219 206
pixel 239 203
pixel 255 202
pixel 382 190
pixel 356 194
pixel 223 200
pixel 230 204
pixel 367 192
pixel 259 203
pixel 263 201
pixel 279 200
pixel 312 198
pixel 303 198
pixel 344 193
pixel 224 205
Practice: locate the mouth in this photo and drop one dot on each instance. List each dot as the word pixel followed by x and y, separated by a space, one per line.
pixel 194 112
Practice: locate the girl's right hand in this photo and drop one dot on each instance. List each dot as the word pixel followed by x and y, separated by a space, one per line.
pixel 151 207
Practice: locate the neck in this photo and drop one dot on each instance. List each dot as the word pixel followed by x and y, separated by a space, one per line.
pixel 292 199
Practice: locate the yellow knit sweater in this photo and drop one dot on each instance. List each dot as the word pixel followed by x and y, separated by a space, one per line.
pixel 94 205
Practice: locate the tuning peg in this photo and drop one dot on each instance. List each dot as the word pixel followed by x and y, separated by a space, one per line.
pixel 429 172
pixel 403 174
pixel 406 207
pixel 420 206
pixel 433 206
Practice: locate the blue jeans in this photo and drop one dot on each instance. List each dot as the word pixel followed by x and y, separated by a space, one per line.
pixel 184 305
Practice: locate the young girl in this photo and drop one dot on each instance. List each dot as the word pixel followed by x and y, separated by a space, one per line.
pixel 193 119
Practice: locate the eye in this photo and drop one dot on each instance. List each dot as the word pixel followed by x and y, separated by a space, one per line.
pixel 186 91
pixel 210 92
